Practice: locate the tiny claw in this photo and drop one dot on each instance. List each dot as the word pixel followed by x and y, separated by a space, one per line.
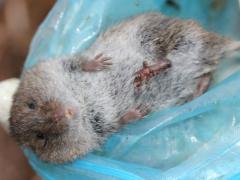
pixel 106 58
pixel 107 63
pixel 98 56
pixel 146 112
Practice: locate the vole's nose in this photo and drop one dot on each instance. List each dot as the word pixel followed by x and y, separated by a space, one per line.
pixel 61 114
pixel 57 111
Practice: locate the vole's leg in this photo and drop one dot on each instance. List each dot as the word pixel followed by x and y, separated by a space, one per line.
pixel 149 71
pixel 133 114
pixel 161 65
pixel 98 63
pixel 202 86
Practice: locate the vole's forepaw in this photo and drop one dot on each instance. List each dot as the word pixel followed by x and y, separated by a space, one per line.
pixel 98 63
pixel 134 114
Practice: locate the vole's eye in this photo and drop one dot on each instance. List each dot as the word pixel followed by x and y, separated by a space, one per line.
pixel 31 105
pixel 43 139
pixel 40 136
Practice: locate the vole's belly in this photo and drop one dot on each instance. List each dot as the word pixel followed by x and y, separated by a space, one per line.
pixel 168 88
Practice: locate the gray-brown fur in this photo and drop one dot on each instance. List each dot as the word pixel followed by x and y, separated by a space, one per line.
pixel 102 98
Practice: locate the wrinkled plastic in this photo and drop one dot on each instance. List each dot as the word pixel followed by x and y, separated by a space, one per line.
pixel 199 140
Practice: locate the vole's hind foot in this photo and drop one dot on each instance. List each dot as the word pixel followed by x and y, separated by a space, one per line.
pixel 147 72
pixel 202 86
pixel 98 63
pixel 134 114
pixel 161 65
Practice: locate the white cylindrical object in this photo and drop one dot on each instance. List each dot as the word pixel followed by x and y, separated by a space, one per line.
pixel 7 90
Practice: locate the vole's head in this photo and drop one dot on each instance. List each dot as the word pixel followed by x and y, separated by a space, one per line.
pixel 47 118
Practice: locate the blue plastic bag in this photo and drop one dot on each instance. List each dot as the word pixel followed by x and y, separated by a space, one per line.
pixel 199 140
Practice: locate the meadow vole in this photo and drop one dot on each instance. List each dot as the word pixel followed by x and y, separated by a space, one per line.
pixel 65 108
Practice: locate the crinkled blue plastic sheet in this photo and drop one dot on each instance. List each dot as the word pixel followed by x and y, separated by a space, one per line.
pixel 199 140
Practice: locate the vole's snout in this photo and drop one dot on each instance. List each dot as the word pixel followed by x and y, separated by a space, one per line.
pixel 61 113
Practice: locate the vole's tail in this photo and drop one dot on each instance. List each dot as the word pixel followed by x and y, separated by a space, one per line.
pixel 218 47
pixel 232 46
